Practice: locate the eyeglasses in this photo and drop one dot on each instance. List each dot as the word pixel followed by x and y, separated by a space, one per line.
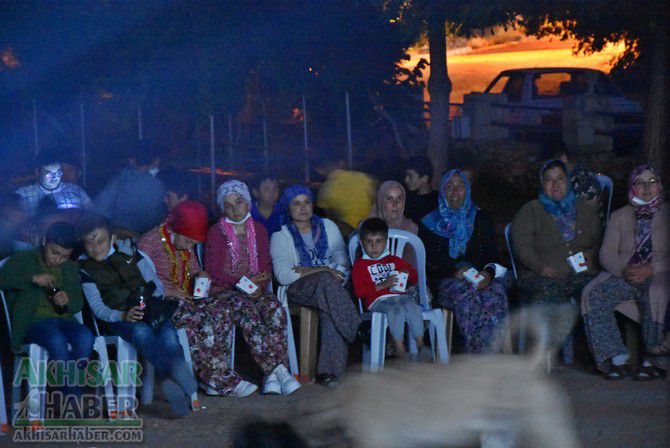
pixel 646 183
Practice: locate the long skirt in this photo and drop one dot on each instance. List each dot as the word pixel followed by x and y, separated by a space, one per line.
pixel 338 317
pixel 480 315
pixel 208 324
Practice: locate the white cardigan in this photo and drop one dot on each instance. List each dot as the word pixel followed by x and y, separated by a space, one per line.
pixel 285 257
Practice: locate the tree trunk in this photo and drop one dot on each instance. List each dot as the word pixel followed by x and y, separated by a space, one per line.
pixel 439 88
pixel 656 113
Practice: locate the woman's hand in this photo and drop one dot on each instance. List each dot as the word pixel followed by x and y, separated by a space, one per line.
pixel 44 280
pixel 261 279
pixel 134 314
pixel 202 274
pixel 638 273
pixel 486 282
pixel 458 274
pixel 549 272
pixel 61 298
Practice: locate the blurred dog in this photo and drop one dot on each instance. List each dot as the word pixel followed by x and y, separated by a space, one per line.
pixel 491 400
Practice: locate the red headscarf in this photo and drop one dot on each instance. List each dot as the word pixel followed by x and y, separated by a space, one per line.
pixel 189 218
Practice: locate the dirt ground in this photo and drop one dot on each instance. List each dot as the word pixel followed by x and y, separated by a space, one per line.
pixel 606 414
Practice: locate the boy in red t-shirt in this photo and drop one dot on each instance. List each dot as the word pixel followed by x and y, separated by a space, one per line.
pixel 375 273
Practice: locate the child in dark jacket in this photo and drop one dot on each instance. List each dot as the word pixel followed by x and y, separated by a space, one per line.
pixel 376 277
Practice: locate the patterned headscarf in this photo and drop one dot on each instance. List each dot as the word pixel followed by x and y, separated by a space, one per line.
pixel 564 211
pixel 232 187
pixel 238 187
pixel 319 235
pixel 401 223
pixel 455 224
pixel 643 214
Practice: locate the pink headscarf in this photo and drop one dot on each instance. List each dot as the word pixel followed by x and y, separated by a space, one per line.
pixel 394 222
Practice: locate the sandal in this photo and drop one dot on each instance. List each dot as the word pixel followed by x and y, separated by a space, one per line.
pixel 648 373
pixel 618 372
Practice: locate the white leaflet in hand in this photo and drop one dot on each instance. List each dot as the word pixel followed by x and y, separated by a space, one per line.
pixel 201 287
pixel 473 276
pixel 578 262
pixel 247 286
pixel 401 282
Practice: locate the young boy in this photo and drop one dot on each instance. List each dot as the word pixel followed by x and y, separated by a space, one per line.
pixel 421 199
pixel 111 281
pixel 43 296
pixel 374 274
pixel 265 208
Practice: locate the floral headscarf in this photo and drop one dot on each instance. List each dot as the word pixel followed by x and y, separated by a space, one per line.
pixel 455 224
pixel 644 212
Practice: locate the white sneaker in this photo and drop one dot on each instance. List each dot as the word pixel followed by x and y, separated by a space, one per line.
pixel 288 383
pixel 208 390
pixel 243 389
pixel 271 385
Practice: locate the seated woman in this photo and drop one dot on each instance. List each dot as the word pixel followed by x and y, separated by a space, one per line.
pixel 545 232
pixel 305 253
pixel 44 294
pixel 390 206
pixel 238 246
pixel 113 282
pixel 635 257
pixel 208 322
pixel 459 236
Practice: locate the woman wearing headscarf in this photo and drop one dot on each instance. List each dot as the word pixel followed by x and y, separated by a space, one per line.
pixel 390 206
pixel 237 246
pixel 207 322
pixel 305 254
pixel 459 236
pixel 545 232
pixel 634 255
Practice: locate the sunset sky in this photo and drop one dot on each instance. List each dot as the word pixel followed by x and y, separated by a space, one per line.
pixel 472 70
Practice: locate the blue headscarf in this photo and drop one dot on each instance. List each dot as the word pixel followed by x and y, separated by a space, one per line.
pixel 455 224
pixel 564 211
pixel 319 235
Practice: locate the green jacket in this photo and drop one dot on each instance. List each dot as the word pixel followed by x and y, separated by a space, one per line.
pixel 23 296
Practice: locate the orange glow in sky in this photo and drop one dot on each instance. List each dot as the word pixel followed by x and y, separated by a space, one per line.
pixel 474 70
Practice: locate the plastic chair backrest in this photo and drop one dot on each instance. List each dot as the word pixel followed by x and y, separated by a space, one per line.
pixel 8 319
pixel 396 242
pixel 607 184
pixel 508 240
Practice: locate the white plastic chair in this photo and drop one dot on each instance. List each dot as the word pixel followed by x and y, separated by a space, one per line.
pixel 607 184
pixel 373 357
pixel 567 349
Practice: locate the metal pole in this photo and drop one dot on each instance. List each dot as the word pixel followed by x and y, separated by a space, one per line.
pixel 351 151
pixel 198 156
pixel 230 138
pixel 37 143
pixel 304 133
pixel 266 152
pixel 212 161
pixel 83 140
pixel 139 123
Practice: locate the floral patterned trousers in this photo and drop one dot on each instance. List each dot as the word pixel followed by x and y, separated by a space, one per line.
pixel 208 324
pixel 480 315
